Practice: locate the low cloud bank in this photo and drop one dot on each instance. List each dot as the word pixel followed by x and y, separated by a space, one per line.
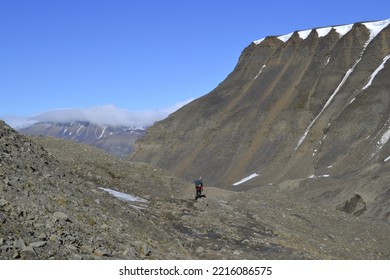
pixel 102 115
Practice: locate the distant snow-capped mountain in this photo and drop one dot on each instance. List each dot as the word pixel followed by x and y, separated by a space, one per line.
pixel 115 140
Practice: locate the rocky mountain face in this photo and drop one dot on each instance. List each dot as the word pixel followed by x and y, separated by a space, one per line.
pixel 57 201
pixel 308 112
pixel 47 211
pixel 115 140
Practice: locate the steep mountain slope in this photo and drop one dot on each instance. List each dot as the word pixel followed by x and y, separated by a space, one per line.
pixel 53 206
pixel 310 104
pixel 47 211
pixel 118 141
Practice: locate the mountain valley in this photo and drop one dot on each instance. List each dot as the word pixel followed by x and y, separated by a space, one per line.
pixel 292 147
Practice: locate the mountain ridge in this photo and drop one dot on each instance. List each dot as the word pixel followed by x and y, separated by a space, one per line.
pixel 117 140
pixel 374 26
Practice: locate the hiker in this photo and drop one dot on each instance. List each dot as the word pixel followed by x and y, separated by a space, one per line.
pixel 199 188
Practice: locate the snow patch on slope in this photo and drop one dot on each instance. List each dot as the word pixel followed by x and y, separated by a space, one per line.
pixel 127 197
pixel 322 32
pixel 261 70
pixel 343 29
pixel 101 135
pixel 383 140
pixel 377 70
pixel 376 27
pixel 285 38
pixel 304 34
pixel 258 41
pixel 246 179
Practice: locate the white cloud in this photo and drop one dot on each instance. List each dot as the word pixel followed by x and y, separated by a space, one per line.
pixel 18 122
pixel 103 115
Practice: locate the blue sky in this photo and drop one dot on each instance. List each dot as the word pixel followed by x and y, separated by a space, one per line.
pixel 138 55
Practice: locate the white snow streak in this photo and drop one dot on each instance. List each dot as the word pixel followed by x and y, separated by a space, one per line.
pixel 320 176
pixel 387 159
pixel 101 135
pixel 261 70
pixel 377 70
pixel 78 130
pixel 327 61
pixel 246 179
